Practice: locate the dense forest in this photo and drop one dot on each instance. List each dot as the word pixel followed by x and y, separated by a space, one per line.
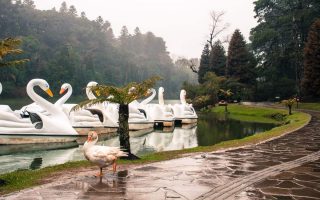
pixel 278 42
pixel 65 46
pixel 280 61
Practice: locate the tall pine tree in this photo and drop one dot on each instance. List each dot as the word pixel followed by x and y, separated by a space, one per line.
pixel 63 7
pixel 204 63
pixel 278 41
pixel 73 11
pixel 238 62
pixel 311 79
pixel 218 59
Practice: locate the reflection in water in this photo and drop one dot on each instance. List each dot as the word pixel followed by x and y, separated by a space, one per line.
pixel 12 149
pixel 36 163
pixel 107 187
pixel 211 129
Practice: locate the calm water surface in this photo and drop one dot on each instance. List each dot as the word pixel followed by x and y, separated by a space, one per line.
pixel 210 129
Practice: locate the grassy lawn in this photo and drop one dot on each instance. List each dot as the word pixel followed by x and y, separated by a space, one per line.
pixel 18 180
pixel 308 106
pixel 253 114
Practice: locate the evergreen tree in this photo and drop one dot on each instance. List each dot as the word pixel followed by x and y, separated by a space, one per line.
pixel 238 64
pixel 29 3
pixel 124 38
pixel 63 8
pixel 137 41
pixel 106 28
pixel 73 11
pixel 278 41
pixel 218 59
pixel 100 21
pixel 64 48
pixel 83 15
pixel 311 79
pixel 204 63
pixel 124 34
pixel 137 31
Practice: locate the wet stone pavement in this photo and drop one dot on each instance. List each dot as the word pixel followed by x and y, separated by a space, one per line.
pixel 302 182
pixel 284 168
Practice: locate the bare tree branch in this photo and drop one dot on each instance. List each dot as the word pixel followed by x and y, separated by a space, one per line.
pixel 192 63
pixel 216 29
pixel 226 39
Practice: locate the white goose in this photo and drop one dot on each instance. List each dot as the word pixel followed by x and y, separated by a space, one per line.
pixel 55 124
pixel 102 156
pixel 184 111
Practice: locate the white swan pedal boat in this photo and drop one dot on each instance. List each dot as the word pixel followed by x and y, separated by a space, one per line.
pixel 184 113
pixel 94 118
pixel 38 128
pixel 161 114
pixel 138 118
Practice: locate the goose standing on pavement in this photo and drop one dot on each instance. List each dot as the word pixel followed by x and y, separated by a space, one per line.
pixel 102 156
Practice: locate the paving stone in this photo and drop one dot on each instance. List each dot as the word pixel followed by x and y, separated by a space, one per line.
pixel 196 175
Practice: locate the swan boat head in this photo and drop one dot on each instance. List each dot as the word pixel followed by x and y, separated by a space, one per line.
pixel 90 95
pixel 161 90
pixel 65 87
pixel 43 84
pixel 183 95
pixel 160 96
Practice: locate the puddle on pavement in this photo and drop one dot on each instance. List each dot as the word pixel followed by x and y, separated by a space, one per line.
pixel 91 186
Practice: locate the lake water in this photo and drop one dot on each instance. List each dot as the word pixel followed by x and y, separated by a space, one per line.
pixel 210 129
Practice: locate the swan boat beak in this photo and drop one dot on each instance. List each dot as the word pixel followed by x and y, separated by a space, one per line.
pixel 62 91
pixel 48 91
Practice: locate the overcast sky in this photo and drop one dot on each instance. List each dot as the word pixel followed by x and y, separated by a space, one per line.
pixel 183 24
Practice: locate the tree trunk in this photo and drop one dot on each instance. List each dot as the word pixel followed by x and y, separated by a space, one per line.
pixel 124 130
pixel 290 113
pixel 226 108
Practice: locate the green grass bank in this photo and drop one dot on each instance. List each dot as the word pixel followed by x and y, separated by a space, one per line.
pixel 253 113
pixel 15 181
pixel 308 106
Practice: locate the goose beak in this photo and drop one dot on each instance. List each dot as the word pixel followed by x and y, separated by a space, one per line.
pixel 89 139
pixel 48 91
pixel 62 91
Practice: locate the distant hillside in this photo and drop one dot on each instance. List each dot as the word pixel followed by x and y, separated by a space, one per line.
pixel 66 47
